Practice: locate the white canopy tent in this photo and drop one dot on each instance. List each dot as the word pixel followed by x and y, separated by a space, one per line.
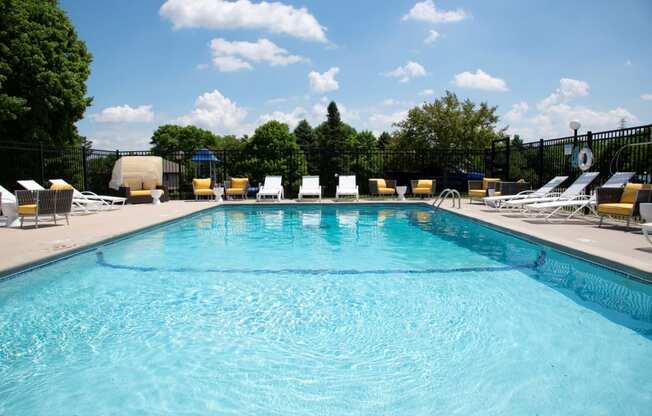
pixel 143 168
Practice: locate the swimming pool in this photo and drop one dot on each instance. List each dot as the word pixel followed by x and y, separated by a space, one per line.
pixel 329 310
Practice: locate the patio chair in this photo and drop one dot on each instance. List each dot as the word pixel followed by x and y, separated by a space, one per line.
pixel 424 187
pixel 39 204
pixel 622 202
pixel 483 188
pixel 497 201
pixel 202 187
pixel 237 187
pixel 574 192
pixel 271 188
pixel 347 187
pixel 8 206
pixel 616 181
pixel 105 200
pixel 139 190
pixel 310 187
pixel 82 204
pixel 382 187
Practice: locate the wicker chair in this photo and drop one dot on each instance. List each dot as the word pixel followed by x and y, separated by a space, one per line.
pixel 622 202
pixel 480 189
pixel 44 203
pixel 236 187
pixel 513 188
pixel 382 187
pixel 424 187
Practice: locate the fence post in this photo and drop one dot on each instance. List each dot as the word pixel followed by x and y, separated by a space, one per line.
pixel 42 158
pixel 84 159
pixel 589 139
pixel 507 158
pixel 540 162
pixel 493 158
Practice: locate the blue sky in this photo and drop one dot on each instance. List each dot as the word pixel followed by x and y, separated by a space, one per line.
pixel 229 66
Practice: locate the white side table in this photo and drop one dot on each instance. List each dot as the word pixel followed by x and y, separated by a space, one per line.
pixel 646 211
pixel 400 191
pixel 156 196
pixel 218 191
pixel 9 211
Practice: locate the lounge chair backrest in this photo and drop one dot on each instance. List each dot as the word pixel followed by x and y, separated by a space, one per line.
pixel 618 180
pixel 75 192
pixel 273 182
pixel 63 203
pixel 30 185
pixel 7 196
pixel 347 182
pixel 548 187
pixel 579 185
pixel 310 182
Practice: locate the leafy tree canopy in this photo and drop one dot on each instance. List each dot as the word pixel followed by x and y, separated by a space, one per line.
pixel 171 138
pixel 43 70
pixel 363 141
pixel 448 123
pixel 305 135
pixel 333 134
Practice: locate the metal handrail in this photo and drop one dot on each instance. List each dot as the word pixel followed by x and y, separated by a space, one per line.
pixel 454 193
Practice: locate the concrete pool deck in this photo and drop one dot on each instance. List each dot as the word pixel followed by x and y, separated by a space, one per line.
pixel 610 245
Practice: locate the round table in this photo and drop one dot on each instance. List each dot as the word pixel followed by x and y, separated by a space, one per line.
pixel 218 191
pixel 156 196
pixel 400 191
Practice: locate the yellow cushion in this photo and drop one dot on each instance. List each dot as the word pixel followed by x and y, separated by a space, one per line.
pixel 384 190
pixel 427 190
pixel 616 209
pixel 133 184
pixel 629 193
pixel 477 193
pixel 235 191
pixel 239 182
pixel 424 183
pixel 487 181
pixel 27 209
pixel 149 184
pixel 203 192
pixel 60 186
pixel 198 184
pixel 381 183
pixel 142 192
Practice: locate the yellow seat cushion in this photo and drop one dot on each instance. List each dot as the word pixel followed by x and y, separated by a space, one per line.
pixel 427 190
pixel 615 209
pixel 198 184
pixel 381 183
pixel 629 193
pixel 386 191
pixel 235 191
pixel 60 186
pixel 29 209
pixel 487 181
pixel 203 192
pixel 424 183
pixel 142 192
pixel 477 193
pixel 239 182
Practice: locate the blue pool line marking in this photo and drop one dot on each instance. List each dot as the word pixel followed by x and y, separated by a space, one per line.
pixel 533 265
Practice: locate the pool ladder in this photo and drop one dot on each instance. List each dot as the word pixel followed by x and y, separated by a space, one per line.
pixel 448 192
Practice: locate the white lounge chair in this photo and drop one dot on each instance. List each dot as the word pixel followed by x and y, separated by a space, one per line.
pixel 347 187
pixel 545 190
pixel 310 187
pixel 8 206
pixel 84 205
pixel 105 200
pixel 271 188
pixel 574 191
pixel 617 180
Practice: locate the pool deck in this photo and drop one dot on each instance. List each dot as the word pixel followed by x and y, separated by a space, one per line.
pixel 610 245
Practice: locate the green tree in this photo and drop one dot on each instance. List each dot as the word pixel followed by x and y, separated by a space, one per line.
pixel 305 135
pixel 170 138
pixel 334 138
pixel 384 140
pixel 43 70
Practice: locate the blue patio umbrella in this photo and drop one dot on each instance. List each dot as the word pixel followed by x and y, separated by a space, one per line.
pixel 206 156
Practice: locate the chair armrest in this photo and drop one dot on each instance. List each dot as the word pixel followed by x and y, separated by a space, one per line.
pixel 391 183
pixel 642 196
pixel 475 185
pixel 124 191
pixel 608 195
pixel 373 186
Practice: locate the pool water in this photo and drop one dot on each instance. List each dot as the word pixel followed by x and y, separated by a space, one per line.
pixel 324 310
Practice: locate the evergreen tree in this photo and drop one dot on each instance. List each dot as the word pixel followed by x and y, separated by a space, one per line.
pixel 384 140
pixel 305 135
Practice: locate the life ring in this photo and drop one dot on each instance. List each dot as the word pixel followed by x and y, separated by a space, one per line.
pixel 585 159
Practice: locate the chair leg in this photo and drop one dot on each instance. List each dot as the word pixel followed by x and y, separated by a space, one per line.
pixel 21 221
pixel 54 217
pixel 601 218
pixel 36 222
pixel 628 220
pixel 67 220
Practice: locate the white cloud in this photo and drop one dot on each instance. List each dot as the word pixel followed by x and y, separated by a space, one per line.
pixel 291 119
pixel 325 82
pixel 217 113
pixel 201 67
pixel 234 56
pixel 408 71
pixel 646 97
pixel 568 89
pixel 379 122
pixel 427 93
pixel 125 114
pixel 517 112
pixel 432 37
pixel 427 12
pixel 120 137
pixel 274 17
pixel 479 80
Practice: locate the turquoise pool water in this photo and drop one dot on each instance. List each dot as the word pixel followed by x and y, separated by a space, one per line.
pixel 348 309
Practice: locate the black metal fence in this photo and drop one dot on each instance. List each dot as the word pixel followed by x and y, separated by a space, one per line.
pixel 90 169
